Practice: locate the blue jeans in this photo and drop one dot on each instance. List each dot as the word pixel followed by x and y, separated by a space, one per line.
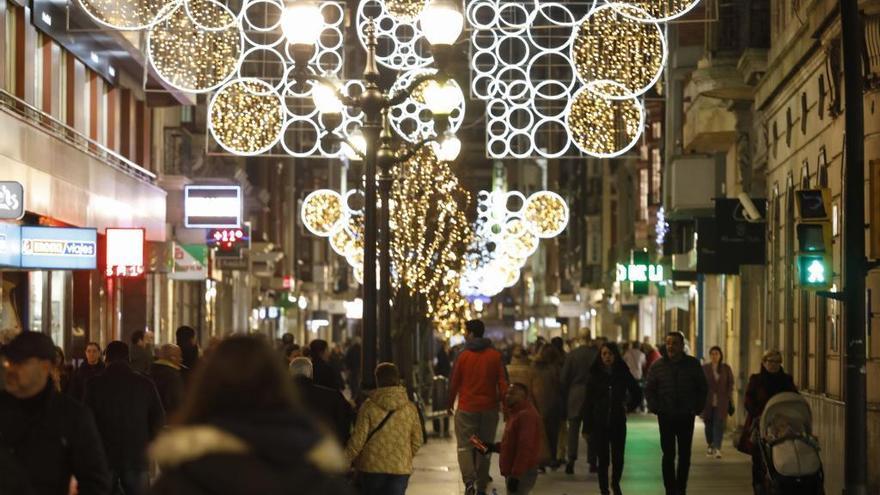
pixel 130 482
pixel 384 484
pixel 715 428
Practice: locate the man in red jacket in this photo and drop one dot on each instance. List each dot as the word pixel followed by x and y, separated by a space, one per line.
pixel 479 381
pixel 521 444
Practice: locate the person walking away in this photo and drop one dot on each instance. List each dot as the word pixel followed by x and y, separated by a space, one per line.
pixel 89 368
pixel 324 374
pixel 141 351
pixel 771 380
pixel 719 377
pixel 611 392
pixel 439 393
pixel 520 445
pixel 167 376
pixel 651 356
pixel 45 437
pixel 676 392
pixel 129 415
pixel 353 365
pixel 547 388
pixel 325 404
pixel 242 431
pixel 186 340
pixel 387 434
pixel 575 372
pixel 478 382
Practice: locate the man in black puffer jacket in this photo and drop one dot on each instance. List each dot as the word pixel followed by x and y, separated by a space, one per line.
pixel 676 392
pixel 45 437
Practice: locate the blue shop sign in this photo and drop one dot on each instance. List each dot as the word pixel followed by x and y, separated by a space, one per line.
pixel 57 248
pixel 10 245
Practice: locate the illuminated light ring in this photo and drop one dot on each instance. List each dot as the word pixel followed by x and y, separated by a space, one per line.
pixel 566 136
pixel 251 26
pixel 511 26
pixel 213 81
pixel 412 109
pixel 570 23
pixel 403 55
pixel 321 210
pixel 309 123
pixel 474 17
pixel 536 214
pixel 158 16
pixel 346 202
pixel 196 14
pixel 248 107
pixel 515 194
pixel 341 241
pixel 633 76
pixel 244 61
pixel 654 9
pixel 579 125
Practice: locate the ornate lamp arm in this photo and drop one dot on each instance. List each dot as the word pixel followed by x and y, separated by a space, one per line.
pixel 402 95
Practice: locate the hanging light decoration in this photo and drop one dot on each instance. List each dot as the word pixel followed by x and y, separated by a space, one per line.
pixel 602 127
pixel 405 10
pixel 245 116
pixel 128 15
pixel 654 10
pixel 198 47
pixel 611 47
pixel 321 211
pixel 546 214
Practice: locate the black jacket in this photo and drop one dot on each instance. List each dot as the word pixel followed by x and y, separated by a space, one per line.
pixel 128 413
pixel 270 453
pixel 169 385
pixel 77 387
pixel 46 439
pixel 325 375
pixel 327 405
pixel 609 396
pixel 676 387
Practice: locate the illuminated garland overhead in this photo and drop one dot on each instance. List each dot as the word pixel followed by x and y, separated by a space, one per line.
pixel 656 10
pixel 321 211
pixel 245 117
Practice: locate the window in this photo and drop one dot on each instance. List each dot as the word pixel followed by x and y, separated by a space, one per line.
pixel 804 112
pixel 820 107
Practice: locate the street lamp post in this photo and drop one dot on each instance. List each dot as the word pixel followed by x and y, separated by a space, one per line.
pixel 442 22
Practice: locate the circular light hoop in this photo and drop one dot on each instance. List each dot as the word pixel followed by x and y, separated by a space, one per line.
pixel 563 147
pixel 515 194
pixel 608 46
pixel 269 53
pixel 546 214
pixel 128 15
pixel 414 109
pixel 569 22
pixel 341 240
pixel 601 127
pixel 193 59
pixel 307 122
pixel 245 117
pixel 251 26
pixel 403 55
pixel 346 202
pixel 656 11
pixel 321 211
pixel 477 11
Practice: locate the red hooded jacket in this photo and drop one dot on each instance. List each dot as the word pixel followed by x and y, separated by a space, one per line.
pixel 521 443
pixel 478 378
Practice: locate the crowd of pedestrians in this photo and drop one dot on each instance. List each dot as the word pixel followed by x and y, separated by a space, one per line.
pixel 134 418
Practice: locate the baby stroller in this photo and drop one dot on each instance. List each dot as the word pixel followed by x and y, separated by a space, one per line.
pixel 788 447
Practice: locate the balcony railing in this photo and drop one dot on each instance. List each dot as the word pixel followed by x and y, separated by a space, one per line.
pixel 44 122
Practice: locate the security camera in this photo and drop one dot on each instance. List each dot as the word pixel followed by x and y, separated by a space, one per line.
pixel 750 211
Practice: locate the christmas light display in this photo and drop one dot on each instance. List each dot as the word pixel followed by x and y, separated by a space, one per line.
pixel 245 116
pixel 321 211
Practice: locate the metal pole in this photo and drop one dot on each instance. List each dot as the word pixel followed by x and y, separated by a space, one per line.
pixel 371 134
pixel 855 263
pixel 385 180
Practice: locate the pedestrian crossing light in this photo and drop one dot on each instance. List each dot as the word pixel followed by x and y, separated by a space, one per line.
pixel 814 239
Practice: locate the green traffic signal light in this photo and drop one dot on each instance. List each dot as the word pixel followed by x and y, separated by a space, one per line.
pixel 814 270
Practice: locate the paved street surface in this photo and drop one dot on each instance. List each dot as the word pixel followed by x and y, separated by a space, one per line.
pixel 436 468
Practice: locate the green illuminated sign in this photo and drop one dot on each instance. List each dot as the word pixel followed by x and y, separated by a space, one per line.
pixel 639 273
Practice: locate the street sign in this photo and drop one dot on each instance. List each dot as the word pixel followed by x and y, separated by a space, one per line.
pixel 59 248
pixel 11 200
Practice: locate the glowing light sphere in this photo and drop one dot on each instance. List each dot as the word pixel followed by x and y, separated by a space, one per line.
pixel 321 211
pixel 405 10
pixel 518 241
pixel 602 127
pixel 611 47
pixel 413 119
pixel 246 116
pixel 546 214
pixel 196 52
pixel 342 241
pixel 128 15
pixel 655 10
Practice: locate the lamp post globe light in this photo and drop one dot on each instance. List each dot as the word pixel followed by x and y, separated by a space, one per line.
pixel 442 22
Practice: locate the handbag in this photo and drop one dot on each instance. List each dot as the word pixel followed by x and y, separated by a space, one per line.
pixel 356 476
pixel 742 438
pixel 731 409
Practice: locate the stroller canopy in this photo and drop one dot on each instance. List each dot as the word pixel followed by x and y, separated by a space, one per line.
pixel 786 414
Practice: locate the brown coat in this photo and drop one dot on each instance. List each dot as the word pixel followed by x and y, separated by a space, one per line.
pixel 723 386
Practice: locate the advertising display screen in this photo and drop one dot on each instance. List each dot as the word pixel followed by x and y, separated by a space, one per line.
pixel 59 248
pixel 125 252
pixel 10 245
pixel 212 206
